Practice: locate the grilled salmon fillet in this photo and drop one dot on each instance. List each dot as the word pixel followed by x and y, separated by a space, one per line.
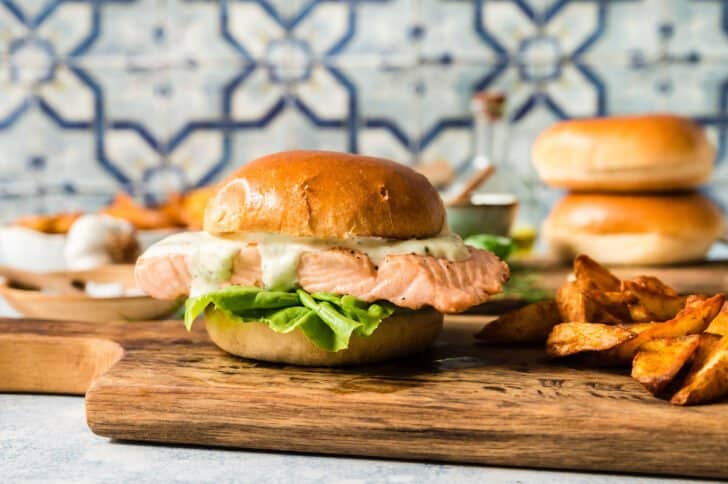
pixel 406 280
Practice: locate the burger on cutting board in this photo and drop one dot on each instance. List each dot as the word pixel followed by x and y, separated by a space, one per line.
pixel 633 182
pixel 322 258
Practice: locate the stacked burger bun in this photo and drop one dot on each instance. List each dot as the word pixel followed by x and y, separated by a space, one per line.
pixel 633 189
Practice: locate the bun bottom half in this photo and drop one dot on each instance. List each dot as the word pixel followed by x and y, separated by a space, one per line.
pixel 627 249
pixel 635 229
pixel 626 180
pixel 399 335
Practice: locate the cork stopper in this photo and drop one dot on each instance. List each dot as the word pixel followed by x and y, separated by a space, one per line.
pixel 491 103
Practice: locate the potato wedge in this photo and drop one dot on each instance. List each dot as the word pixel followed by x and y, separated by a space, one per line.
pixel 591 275
pixel 571 338
pixel 694 299
pixel 194 204
pixel 649 284
pixel 694 318
pixel 39 223
pixel 571 302
pixel 658 361
pixel 528 325
pixel 648 299
pixel 172 208
pixel 124 207
pixel 62 222
pixel 611 304
pixel 576 305
pixel 639 327
pixel 58 223
pixel 719 325
pixel 708 377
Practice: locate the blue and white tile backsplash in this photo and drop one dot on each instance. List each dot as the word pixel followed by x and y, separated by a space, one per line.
pixel 158 95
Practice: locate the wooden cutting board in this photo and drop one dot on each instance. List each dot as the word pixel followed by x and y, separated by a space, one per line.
pixel 458 403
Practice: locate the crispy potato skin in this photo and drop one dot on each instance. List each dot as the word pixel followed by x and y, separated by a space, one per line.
pixel 577 305
pixel 719 325
pixel 528 325
pixel 658 361
pixel 591 275
pixel 648 299
pixel 571 338
pixel 707 379
pixel 691 320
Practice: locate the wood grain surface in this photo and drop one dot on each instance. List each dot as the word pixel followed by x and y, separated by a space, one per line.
pixel 458 403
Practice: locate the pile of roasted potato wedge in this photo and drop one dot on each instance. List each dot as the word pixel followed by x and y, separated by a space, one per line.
pixel 179 210
pixel 125 207
pixel 58 223
pixel 677 346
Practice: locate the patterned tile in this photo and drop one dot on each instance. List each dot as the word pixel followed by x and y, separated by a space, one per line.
pixel 688 89
pixel 381 140
pixel 542 56
pixel 252 28
pixel 64 160
pixel 149 114
pixel 446 33
pixel 127 29
pixel 191 31
pixel 698 27
pixel 157 95
pixel 378 109
pixel 382 32
pixel 444 98
pixel 291 129
pixel 631 28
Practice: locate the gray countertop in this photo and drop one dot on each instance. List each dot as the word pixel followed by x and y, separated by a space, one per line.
pixel 45 439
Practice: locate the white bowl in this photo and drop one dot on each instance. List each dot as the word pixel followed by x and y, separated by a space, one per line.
pixel 30 250
pixel 27 249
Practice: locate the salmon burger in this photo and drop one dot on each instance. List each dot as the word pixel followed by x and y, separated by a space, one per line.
pixel 321 258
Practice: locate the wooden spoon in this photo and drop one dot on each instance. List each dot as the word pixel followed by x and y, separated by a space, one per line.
pixel 440 173
pixel 462 197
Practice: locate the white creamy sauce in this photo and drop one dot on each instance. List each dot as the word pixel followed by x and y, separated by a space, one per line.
pixel 279 262
pixel 210 264
pixel 110 289
pixel 94 238
pixel 211 258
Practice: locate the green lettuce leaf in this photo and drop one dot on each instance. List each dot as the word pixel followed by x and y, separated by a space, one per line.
pixel 328 320
pixel 502 247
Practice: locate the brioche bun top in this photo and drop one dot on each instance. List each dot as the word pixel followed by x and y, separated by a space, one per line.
pixel 658 152
pixel 326 194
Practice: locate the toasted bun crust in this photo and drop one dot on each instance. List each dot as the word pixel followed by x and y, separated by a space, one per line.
pixel 634 229
pixel 629 153
pixel 326 195
pixel 398 335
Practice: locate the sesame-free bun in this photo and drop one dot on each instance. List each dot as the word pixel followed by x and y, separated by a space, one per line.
pixel 399 335
pixel 325 194
pixel 629 153
pixel 634 229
